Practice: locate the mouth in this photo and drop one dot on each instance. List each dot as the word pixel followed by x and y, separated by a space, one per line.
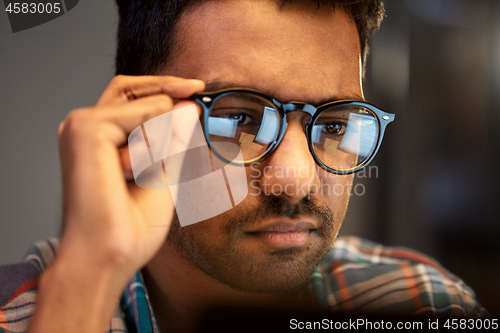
pixel 284 234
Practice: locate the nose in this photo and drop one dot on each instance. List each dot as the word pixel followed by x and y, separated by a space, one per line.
pixel 291 171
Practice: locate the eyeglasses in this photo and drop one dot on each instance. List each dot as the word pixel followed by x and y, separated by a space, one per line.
pixel 343 136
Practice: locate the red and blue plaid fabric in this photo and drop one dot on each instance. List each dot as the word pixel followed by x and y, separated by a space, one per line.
pixel 360 275
pixel 355 275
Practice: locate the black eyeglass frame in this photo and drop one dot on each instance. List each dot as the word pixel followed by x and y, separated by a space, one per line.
pixel 207 99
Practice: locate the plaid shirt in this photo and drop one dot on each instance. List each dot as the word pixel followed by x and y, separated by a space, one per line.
pixel 355 274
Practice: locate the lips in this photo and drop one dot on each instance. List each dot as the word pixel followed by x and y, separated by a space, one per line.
pixel 284 234
pixel 282 226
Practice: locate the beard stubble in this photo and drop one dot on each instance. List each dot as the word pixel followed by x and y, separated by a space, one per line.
pixel 230 263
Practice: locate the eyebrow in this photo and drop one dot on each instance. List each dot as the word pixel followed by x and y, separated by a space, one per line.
pixel 218 85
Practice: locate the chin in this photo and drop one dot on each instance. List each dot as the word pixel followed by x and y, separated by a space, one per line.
pixel 282 270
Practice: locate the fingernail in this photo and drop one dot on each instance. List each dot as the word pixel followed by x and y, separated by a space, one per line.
pixel 196 81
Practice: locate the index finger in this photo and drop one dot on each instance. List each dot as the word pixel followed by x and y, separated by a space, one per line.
pixel 123 88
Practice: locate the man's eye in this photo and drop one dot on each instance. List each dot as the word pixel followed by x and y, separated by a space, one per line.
pixel 334 128
pixel 241 116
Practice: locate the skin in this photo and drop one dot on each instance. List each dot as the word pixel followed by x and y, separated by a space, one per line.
pixel 259 42
pixel 107 220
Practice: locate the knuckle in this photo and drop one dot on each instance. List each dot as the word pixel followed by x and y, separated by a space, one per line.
pixel 77 116
pixel 75 123
pixel 60 129
pixel 118 81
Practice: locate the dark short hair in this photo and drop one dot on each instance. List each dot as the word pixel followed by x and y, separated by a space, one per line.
pixel 147 29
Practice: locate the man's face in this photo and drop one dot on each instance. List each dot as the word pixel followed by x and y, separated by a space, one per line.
pixel 274 238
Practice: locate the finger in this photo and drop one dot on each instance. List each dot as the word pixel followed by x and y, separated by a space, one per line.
pixel 147 108
pixel 123 89
pixel 181 123
pixel 125 153
pixel 126 164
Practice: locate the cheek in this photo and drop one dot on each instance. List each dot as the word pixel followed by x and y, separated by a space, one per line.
pixel 336 190
pixel 203 235
pixel 254 174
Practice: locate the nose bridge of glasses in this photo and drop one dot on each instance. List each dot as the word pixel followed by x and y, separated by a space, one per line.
pixel 297 106
pixel 292 107
pixel 308 109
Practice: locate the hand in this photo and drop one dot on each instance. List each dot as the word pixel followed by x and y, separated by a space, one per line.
pixel 107 234
pixel 104 215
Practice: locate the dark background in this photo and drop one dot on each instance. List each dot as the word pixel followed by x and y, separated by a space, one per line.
pixel 435 188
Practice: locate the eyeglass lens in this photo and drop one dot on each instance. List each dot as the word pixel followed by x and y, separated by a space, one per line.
pixel 342 136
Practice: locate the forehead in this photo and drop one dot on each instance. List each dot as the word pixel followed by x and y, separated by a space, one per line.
pixel 294 53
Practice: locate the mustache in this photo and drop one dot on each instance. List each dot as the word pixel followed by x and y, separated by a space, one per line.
pixel 276 207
